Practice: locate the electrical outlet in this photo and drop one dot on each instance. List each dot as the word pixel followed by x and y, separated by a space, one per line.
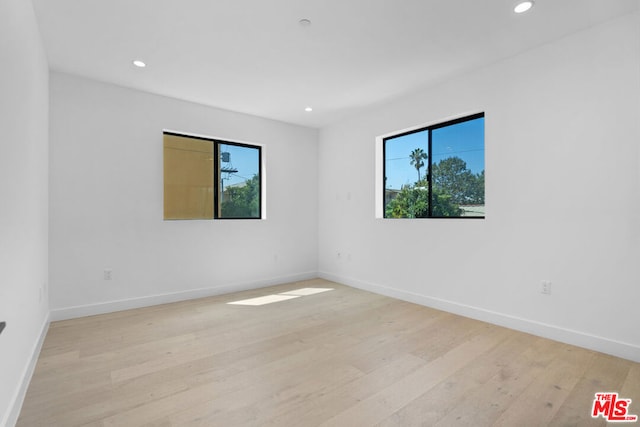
pixel 545 287
pixel 107 274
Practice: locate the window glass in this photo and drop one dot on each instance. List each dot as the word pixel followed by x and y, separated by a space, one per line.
pixel 239 178
pixel 458 169
pixel 437 171
pixel 207 179
pixel 188 178
pixel 406 168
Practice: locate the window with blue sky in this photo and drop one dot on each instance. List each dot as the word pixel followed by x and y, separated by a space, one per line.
pixel 211 179
pixel 436 171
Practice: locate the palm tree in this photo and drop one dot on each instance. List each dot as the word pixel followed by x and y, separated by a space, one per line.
pixel 417 157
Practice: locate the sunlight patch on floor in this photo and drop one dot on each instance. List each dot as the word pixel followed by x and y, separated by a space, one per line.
pixel 306 291
pixel 269 299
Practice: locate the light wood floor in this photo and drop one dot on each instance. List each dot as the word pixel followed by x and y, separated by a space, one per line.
pixel 340 358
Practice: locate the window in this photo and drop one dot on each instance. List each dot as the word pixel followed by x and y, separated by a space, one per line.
pixel 436 171
pixel 207 178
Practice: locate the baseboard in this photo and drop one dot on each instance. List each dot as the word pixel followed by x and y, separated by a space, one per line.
pixel 11 417
pixel 127 304
pixel 592 342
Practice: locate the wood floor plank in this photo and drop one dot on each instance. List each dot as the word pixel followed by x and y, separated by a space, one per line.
pixel 321 406
pixel 243 407
pixel 604 373
pixel 436 403
pixel 384 403
pixel 542 399
pixel 484 405
pixel 339 358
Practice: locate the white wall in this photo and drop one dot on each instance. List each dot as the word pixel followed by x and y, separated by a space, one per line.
pixel 562 194
pixel 107 203
pixel 23 200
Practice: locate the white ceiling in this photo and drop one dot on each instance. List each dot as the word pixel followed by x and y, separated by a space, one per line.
pixel 253 56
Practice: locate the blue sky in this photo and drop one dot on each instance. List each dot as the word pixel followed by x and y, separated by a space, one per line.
pixel 244 159
pixel 464 140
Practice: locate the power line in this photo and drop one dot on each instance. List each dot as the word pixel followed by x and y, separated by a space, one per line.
pixel 460 151
pixel 439 154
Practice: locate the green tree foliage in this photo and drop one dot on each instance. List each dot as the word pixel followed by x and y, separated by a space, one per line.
pixel 476 189
pixel 418 156
pixel 451 177
pixel 443 205
pixel 453 186
pixel 413 202
pixel 242 201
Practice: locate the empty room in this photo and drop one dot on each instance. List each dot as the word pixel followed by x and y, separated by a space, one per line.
pixel 319 213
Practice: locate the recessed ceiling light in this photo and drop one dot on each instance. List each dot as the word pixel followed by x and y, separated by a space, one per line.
pixel 523 6
pixel 308 109
pixel 139 64
pixel 304 22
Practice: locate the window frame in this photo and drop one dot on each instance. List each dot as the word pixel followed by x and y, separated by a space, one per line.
pixel 217 142
pixel 429 129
